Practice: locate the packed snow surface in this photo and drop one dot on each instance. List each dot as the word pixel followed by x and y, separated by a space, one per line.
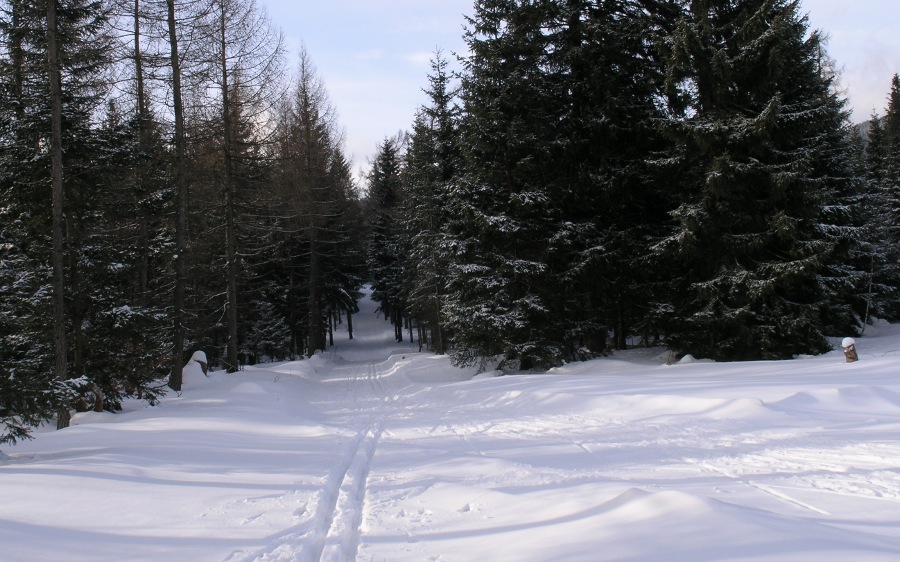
pixel 375 452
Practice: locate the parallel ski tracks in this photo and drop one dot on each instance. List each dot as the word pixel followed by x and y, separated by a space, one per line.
pixel 334 531
pixel 339 514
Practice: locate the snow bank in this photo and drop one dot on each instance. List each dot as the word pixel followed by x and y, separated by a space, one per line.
pixel 374 451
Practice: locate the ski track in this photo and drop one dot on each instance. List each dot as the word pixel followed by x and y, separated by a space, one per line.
pixel 333 532
pixel 866 471
pixel 764 489
pixel 339 517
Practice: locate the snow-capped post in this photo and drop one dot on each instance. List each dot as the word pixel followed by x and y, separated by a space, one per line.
pixel 849 345
pixel 200 357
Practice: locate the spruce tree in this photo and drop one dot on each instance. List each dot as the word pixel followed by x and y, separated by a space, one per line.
pixel 54 142
pixel 550 219
pixel 609 75
pixel 26 356
pixel 754 116
pixel 883 159
pixel 433 160
pixel 503 211
pixel 387 244
pixel 124 341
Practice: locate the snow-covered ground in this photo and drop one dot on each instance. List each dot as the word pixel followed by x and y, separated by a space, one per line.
pixel 373 452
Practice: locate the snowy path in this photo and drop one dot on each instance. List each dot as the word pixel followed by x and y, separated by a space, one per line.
pixel 358 398
pixel 373 452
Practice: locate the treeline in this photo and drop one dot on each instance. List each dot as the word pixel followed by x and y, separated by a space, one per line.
pixel 672 171
pixel 675 172
pixel 170 180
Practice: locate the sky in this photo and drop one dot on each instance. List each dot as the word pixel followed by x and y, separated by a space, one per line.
pixel 373 55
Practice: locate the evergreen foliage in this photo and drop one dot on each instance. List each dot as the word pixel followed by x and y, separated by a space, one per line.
pixel 387 244
pixel 678 171
pixel 757 137
pixel 556 201
pixel 126 227
pixel 433 161
pixel 316 205
pixel 883 159
pixel 90 258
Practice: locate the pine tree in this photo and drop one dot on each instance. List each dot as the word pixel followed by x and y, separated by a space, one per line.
pixel 54 142
pixel 550 219
pixel 387 244
pixel 755 133
pixel 883 159
pixel 433 160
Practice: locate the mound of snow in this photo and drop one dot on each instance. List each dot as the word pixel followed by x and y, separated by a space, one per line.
pixel 248 388
pixel 860 400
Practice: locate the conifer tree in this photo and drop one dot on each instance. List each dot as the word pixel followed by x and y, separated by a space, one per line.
pixel 26 358
pixel 883 160
pixel 57 57
pixel 433 160
pixel 755 132
pixel 387 244
pixel 551 216
pixel 179 166
pixel 124 341
pixel 609 74
pixel 249 56
pixel 314 200
pixel 503 210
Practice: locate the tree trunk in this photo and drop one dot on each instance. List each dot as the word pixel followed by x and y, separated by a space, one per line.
pixel 143 241
pixel 621 331
pixel 409 329
pixel 56 163
pixel 331 329
pixel 396 321
pixel 316 328
pixel 230 229
pixel 175 378
pixel 350 323
pixel 17 57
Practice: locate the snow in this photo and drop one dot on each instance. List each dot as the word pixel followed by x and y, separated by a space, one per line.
pixel 199 356
pixel 375 452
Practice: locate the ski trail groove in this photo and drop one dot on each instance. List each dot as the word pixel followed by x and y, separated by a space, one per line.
pixel 338 518
pixel 765 489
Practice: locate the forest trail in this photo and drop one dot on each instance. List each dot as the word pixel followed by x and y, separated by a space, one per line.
pixel 363 380
pixel 374 451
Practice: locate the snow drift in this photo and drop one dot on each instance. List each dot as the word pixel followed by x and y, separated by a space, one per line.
pixel 375 452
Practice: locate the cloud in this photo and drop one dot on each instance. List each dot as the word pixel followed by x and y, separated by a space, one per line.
pixel 370 55
pixel 419 59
